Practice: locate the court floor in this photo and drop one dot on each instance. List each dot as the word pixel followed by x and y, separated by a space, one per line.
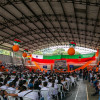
pixel 82 91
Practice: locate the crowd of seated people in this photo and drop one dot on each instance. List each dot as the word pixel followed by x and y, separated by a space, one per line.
pixel 94 80
pixel 35 86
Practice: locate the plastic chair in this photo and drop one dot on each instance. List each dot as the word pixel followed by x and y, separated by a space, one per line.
pixel 16 92
pixel 24 98
pixel 99 94
pixel 66 88
pixel 72 80
pixel 11 98
pixel 60 90
pixel 68 85
pixel 1 98
pixel 9 91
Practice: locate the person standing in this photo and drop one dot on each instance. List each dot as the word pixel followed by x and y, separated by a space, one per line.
pixel 84 75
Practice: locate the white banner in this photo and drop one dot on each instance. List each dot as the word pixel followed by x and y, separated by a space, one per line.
pixel 37 56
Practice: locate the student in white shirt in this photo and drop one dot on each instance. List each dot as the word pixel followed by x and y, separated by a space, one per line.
pixel 4 86
pixel 40 84
pixel 27 93
pixel 45 92
pixel 22 89
pixel 11 88
pixel 50 83
pixel 56 81
pixel 43 80
pixel 54 85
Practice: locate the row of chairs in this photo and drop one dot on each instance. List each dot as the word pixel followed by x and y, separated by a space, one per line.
pixel 61 92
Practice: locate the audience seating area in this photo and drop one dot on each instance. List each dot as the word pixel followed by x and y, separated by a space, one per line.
pixel 27 85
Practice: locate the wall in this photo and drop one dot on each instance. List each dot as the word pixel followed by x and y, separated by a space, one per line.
pixel 8 59
pixel 5 58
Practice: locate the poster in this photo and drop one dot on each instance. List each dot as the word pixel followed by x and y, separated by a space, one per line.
pixel 60 64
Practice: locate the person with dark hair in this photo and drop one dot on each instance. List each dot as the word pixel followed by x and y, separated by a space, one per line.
pixel 32 80
pixel 60 88
pixel 54 85
pixel 11 88
pixel 24 83
pixel 36 86
pixel 84 74
pixel 43 80
pixel 27 93
pixel 1 80
pixel 40 83
pixel 22 88
pixel 45 92
pixel 4 86
pixel 45 84
pixel 1 84
pixel 50 83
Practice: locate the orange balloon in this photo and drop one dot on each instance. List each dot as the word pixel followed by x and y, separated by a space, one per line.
pixel 24 54
pixel 3 67
pixel 30 55
pixel 71 51
pixel 15 48
pixel 7 70
pixel 28 61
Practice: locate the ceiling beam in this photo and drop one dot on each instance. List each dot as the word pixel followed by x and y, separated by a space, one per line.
pixel 27 6
pixel 57 19
pixel 96 22
pixel 66 20
pixel 29 20
pixel 20 20
pixel 76 21
pixel 47 17
pixel 82 2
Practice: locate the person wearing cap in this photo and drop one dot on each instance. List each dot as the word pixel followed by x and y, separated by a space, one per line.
pixel 27 93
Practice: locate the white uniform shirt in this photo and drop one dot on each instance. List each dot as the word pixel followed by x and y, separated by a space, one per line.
pixel 55 92
pixel 64 83
pixel 32 95
pixel 56 81
pixel 90 75
pixel 49 84
pixel 4 87
pixel 45 92
pixel 72 79
pixel 11 90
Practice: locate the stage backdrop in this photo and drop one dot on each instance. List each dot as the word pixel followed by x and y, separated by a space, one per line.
pixel 60 64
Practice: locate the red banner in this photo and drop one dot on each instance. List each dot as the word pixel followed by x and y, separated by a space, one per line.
pixel 68 60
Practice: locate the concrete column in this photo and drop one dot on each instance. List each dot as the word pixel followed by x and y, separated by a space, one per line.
pixel 23 61
pixel 12 55
pixel 98 59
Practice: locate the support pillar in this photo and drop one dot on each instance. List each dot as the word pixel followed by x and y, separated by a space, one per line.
pixel 68 67
pixel 99 54
pixel 23 61
pixel 12 55
pixel 98 59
